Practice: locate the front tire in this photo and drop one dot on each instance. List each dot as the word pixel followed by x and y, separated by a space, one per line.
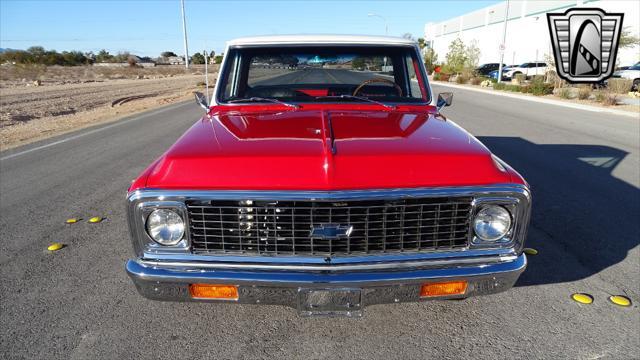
pixel 636 85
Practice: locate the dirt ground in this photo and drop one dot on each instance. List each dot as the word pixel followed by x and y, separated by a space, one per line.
pixel 37 103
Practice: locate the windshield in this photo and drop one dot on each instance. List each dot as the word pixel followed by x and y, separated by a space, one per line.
pixel 323 74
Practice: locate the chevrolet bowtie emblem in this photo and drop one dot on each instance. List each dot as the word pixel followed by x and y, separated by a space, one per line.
pixel 585 42
pixel 330 231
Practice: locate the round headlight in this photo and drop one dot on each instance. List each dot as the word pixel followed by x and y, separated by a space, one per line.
pixel 492 223
pixel 165 226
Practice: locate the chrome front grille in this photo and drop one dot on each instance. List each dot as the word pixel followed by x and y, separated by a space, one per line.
pixel 286 227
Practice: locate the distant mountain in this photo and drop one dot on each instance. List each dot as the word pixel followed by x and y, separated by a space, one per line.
pixel 5 49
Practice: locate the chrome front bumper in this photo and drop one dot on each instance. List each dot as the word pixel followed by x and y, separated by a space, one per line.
pixel 170 281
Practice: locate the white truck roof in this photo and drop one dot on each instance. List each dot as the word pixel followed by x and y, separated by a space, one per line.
pixel 320 39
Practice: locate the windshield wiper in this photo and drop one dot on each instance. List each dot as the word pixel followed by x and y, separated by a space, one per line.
pixel 344 96
pixel 257 99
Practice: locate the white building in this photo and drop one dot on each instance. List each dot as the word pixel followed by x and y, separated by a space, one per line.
pixel 527 30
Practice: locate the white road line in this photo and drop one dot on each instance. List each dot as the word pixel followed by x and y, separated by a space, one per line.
pixel 117 123
pixel 541 100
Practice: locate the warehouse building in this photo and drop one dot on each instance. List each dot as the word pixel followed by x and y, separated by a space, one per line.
pixel 527 34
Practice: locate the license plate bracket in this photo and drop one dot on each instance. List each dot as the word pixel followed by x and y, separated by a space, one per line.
pixel 330 302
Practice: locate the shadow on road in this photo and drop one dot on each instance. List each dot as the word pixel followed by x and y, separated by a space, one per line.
pixel 584 211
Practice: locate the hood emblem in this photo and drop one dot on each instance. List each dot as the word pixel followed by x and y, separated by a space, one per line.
pixel 331 231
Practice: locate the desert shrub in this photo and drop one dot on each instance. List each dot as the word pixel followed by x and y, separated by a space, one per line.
pixel 520 78
pixel 486 83
pixel 610 99
pixel 461 79
pixel 584 92
pixel 513 87
pixel 564 93
pixel 537 78
pixel 476 80
pixel 28 72
pixel 499 86
pixel 599 96
pixel 525 88
pixel 445 77
pixel 620 86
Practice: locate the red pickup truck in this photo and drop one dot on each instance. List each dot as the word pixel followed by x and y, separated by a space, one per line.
pixel 323 176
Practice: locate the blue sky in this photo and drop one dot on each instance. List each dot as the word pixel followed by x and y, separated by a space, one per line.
pixel 150 27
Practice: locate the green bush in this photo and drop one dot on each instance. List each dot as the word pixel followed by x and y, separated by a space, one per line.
pixel 600 96
pixel 499 86
pixel 539 88
pixel 513 87
pixel 436 76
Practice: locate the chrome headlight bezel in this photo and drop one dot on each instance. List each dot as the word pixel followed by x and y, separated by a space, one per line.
pixel 147 244
pixel 508 239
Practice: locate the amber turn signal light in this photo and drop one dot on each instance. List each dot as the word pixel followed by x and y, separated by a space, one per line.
pixel 213 291
pixel 443 288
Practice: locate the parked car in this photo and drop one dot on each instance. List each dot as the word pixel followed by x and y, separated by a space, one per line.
pixel 528 69
pixel 326 191
pixel 485 69
pixel 494 74
pixel 631 73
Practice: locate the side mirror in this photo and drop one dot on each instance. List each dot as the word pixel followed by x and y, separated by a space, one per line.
pixel 201 100
pixel 444 99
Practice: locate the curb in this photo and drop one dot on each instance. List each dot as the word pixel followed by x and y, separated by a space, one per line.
pixel 540 100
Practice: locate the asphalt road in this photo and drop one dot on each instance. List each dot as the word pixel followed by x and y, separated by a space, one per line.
pixel 78 303
pixel 320 76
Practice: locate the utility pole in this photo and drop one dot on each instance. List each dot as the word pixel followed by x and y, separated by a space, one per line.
pixel 504 39
pixel 184 32
pixel 386 24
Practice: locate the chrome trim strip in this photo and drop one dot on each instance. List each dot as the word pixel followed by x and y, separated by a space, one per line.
pixel 366 194
pixel 458 262
pixel 336 260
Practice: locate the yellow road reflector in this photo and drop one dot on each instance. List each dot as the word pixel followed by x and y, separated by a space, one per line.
pixel 95 219
pixel 582 298
pixel 55 247
pixel 620 300
pixel 530 251
pixel 72 220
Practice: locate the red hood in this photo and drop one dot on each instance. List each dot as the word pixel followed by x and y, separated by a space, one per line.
pixel 291 150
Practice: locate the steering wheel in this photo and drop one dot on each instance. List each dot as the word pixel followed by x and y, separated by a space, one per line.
pixel 377 80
